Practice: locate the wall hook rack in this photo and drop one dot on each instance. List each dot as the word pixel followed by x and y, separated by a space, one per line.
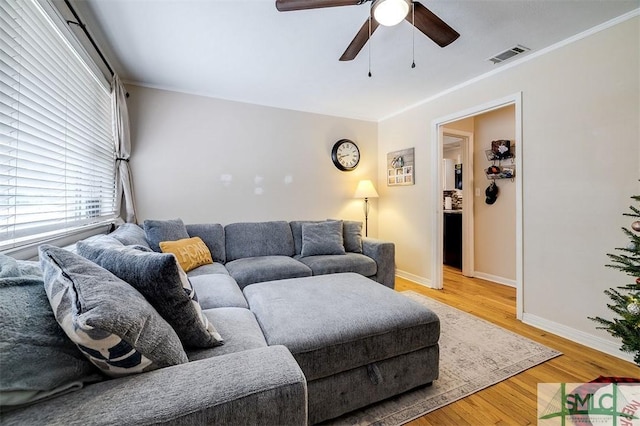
pixel 501 150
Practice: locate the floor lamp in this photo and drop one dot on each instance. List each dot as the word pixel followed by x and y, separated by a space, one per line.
pixel 366 190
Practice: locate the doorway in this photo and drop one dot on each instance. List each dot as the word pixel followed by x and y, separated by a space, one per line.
pixel 439 128
pixel 457 148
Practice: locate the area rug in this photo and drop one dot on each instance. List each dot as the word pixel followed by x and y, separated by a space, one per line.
pixel 474 354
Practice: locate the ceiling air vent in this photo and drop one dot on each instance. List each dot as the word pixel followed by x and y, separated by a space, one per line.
pixel 508 54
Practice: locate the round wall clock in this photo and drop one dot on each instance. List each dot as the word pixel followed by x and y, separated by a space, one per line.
pixel 345 155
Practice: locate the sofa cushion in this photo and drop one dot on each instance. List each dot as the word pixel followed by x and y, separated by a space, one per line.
pixel 218 291
pixel 111 323
pixel 352 234
pixel 332 264
pixel 164 230
pixel 213 236
pixel 212 268
pixel 258 239
pixel 190 252
pixel 163 283
pixel 242 328
pixel 334 323
pixel 37 359
pixel 296 231
pixel 130 234
pixel 266 268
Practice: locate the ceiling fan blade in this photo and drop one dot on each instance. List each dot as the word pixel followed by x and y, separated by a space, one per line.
pixel 432 26
pixel 287 5
pixel 359 40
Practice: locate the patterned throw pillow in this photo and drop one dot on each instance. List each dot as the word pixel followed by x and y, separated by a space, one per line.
pixel 162 281
pixel 108 320
pixel 190 252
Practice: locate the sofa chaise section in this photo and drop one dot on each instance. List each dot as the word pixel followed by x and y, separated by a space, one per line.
pixel 258 386
pixel 357 342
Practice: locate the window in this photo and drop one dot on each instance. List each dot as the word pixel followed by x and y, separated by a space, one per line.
pixel 56 152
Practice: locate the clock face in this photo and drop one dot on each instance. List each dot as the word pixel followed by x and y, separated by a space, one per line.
pixel 345 155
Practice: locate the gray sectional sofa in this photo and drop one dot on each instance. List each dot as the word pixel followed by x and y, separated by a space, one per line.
pixel 286 323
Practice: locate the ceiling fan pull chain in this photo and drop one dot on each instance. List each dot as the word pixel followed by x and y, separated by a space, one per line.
pixel 413 34
pixel 369 43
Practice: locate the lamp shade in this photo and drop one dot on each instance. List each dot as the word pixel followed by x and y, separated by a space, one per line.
pixel 365 189
pixel 390 12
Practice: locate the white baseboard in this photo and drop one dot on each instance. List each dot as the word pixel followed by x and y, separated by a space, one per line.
pixel 494 278
pixel 577 336
pixel 414 278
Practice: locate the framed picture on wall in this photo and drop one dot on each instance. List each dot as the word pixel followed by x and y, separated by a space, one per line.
pixel 400 167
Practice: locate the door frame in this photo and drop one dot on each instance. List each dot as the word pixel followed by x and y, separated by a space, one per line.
pixel 437 233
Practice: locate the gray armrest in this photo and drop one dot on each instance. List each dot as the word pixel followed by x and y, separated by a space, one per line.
pixel 384 253
pixel 259 386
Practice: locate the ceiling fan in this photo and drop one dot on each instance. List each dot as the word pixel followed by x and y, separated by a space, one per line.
pixel 385 12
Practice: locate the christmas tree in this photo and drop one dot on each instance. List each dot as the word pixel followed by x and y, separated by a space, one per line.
pixel 626 299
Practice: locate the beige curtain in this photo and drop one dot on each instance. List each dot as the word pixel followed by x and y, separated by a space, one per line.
pixel 124 182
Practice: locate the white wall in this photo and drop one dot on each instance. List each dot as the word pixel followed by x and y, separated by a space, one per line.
pixel 494 224
pixel 210 160
pixel 581 163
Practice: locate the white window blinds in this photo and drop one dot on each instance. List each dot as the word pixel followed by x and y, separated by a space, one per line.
pixel 57 151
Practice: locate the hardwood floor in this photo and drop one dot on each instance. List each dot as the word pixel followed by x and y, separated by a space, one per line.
pixel 513 401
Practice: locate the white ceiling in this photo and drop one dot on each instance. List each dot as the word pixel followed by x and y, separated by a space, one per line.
pixel 245 50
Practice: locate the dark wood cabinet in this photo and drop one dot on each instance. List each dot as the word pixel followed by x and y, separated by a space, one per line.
pixel 453 239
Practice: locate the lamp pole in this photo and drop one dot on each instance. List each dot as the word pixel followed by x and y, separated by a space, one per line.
pixel 366 216
pixel 366 190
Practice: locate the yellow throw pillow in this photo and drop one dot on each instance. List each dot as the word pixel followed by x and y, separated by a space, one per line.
pixel 190 252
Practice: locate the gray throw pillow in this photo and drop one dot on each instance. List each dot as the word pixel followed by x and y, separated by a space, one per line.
pixel 108 241
pixel 296 231
pixel 322 238
pixel 213 236
pixel 161 280
pixel 352 233
pixel 37 359
pixel 157 231
pixel 130 234
pixel 110 322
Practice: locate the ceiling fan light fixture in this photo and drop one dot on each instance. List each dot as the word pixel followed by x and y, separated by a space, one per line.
pixel 390 12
